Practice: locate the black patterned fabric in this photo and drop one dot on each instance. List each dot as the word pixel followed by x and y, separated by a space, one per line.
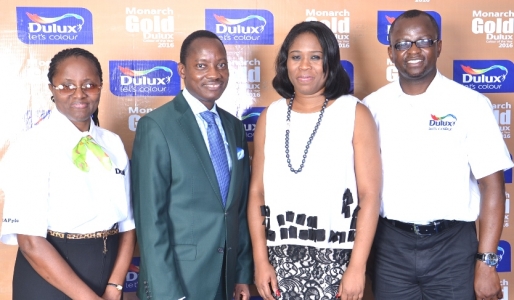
pixel 305 272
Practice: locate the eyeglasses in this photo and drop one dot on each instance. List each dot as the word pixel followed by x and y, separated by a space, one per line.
pixel 90 89
pixel 406 45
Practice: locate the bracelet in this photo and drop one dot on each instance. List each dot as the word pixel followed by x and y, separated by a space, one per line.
pixel 119 287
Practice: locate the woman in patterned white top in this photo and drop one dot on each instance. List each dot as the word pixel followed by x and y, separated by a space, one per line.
pixel 316 167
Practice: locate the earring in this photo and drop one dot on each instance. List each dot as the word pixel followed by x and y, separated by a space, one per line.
pixel 52 98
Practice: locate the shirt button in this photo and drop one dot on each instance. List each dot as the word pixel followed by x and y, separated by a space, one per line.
pixel 220 250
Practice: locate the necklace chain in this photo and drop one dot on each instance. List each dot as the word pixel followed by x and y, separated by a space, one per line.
pixel 288 121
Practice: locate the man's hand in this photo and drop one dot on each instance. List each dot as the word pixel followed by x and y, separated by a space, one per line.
pixel 487 282
pixel 241 291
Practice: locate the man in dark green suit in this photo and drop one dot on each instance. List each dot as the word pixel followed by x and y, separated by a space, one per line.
pixel 194 241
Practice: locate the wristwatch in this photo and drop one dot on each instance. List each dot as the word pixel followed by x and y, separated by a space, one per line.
pixel 489 258
pixel 117 286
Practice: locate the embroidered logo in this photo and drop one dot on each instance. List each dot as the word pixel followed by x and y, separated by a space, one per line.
pixel 446 122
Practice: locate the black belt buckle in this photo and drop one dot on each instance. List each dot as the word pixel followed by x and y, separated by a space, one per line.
pixel 432 228
pixel 416 229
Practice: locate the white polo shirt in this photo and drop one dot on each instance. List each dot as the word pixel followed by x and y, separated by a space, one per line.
pixel 434 146
pixel 45 190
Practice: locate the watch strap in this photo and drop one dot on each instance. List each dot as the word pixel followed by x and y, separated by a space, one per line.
pixel 486 258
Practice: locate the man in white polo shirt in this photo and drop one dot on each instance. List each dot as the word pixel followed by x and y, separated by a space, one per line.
pixel 437 139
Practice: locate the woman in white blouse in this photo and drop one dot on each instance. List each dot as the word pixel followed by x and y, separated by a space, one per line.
pixel 67 200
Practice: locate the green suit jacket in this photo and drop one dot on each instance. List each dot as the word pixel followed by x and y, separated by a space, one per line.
pixel 183 230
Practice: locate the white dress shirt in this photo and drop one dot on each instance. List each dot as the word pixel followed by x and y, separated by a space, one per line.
pixel 197 107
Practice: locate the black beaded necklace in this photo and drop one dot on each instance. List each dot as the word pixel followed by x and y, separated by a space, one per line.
pixel 288 121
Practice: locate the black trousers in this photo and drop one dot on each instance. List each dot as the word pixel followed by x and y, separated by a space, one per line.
pixel 85 257
pixel 413 267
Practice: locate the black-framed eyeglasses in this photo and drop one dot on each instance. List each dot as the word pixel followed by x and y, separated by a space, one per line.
pixel 406 45
pixel 90 89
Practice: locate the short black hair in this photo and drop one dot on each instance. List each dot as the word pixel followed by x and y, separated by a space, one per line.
pixel 63 54
pixel 413 13
pixel 184 49
pixel 338 81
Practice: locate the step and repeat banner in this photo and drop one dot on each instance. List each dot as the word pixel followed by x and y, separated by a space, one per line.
pixel 138 45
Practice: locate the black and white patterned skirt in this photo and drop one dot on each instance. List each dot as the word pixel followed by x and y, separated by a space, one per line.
pixel 305 272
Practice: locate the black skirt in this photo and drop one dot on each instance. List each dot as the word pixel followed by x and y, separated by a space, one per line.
pixel 85 257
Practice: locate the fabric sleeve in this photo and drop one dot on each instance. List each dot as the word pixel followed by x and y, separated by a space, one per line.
pixel 24 179
pixel 151 180
pixel 128 223
pixel 244 269
pixel 486 149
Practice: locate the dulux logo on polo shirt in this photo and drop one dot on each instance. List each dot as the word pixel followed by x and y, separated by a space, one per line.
pixel 144 78
pixel 241 26
pixel 348 67
pixel 54 25
pixel 484 76
pixel 504 257
pixel 386 17
pixel 249 119
pixel 445 122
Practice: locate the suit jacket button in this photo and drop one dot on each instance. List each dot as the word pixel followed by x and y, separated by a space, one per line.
pixel 220 250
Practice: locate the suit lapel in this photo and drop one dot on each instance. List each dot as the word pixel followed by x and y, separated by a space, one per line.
pixel 189 125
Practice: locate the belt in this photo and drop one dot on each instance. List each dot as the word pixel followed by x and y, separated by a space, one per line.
pixel 82 236
pixel 426 229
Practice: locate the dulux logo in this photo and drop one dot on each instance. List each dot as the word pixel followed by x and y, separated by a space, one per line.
pixel 249 119
pixel 54 25
pixel 484 76
pixel 440 121
pixel 144 78
pixel 504 257
pixel 241 26
pixel 386 17
pixel 131 280
pixel 348 67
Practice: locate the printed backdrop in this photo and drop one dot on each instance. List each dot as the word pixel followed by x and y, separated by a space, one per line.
pixel 138 44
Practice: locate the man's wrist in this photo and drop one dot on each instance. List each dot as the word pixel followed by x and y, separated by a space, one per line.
pixel 488 258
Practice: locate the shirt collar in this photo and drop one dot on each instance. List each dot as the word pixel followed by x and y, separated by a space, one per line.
pixel 68 133
pixel 434 86
pixel 196 106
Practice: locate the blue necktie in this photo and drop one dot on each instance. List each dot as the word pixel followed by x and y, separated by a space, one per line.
pixel 218 154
